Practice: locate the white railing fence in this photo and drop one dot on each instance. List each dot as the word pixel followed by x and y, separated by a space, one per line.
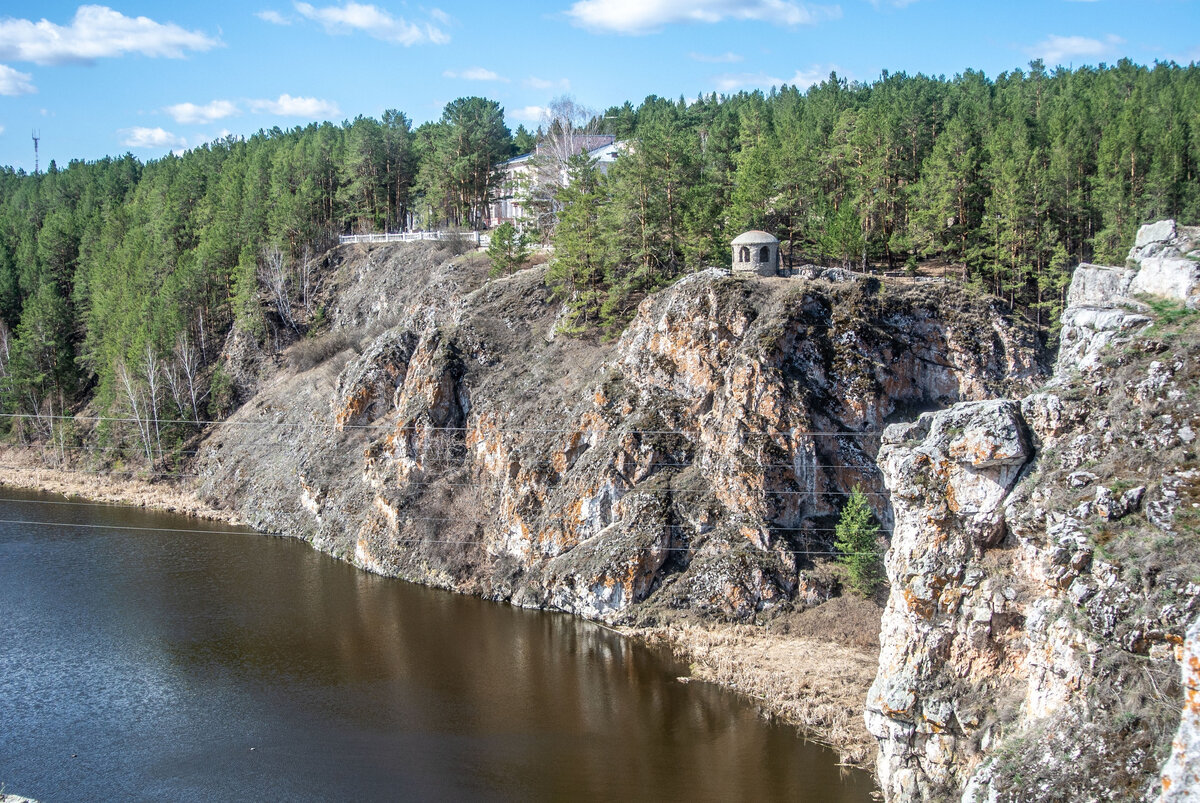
pixel 479 239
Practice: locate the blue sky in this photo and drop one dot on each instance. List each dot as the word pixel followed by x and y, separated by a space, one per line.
pixel 150 77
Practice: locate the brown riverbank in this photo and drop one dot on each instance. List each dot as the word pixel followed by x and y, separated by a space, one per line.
pixel 23 468
pixel 818 684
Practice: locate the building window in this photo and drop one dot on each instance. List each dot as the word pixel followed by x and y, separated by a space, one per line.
pixel 744 254
pixel 764 254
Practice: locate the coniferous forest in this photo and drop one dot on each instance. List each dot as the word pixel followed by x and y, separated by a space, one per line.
pixel 119 280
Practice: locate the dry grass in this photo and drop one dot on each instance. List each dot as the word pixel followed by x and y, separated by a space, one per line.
pixel 21 468
pixel 311 352
pixel 538 257
pixel 847 620
pixel 815 684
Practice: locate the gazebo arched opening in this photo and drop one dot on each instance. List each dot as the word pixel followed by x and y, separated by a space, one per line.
pixel 755 252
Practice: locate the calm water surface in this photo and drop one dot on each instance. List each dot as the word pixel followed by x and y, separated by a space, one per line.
pixel 158 665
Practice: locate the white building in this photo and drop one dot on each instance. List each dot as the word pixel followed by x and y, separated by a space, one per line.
pixel 522 173
pixel 507 206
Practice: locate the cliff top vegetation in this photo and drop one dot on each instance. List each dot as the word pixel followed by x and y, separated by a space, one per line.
pixel 121 281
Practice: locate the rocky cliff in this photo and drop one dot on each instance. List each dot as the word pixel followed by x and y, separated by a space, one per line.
pixel 694 465
pixel 1045 565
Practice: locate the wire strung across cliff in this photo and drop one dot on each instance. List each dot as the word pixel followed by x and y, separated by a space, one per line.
pixel 439 484
pixel 147 472
pixel 67 524
pixel 559 519
pixel 518 430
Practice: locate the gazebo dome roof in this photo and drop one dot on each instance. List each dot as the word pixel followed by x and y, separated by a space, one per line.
pixel 755 237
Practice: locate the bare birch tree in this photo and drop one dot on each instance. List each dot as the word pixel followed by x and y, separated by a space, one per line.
pixel 564 132
pixel 190 362
pixel 137 406
pixel 173 376
pixel 5 349
pixel 153 369
pixel 304 278
pixel 274 274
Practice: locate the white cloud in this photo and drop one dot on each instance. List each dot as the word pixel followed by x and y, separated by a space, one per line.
pixel 720 58
pixel 534 82
pixel 732 82
pixel 287 106
pixel 139 137
pixel 189 113
pixel 533 113
pixel 475 74
pixel 273 17
pixel 201 139
pixel 1 129
pixel 814 75
pixel 375 22
pixel 644 16
pixel 96 32
pixel 895 3
pixel 802 80
pixel 13 82
pixel 1057 49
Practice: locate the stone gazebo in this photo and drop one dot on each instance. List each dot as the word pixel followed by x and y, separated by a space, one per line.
pixel 756 252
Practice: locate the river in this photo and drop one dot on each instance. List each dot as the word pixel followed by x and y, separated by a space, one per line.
pixel 146 663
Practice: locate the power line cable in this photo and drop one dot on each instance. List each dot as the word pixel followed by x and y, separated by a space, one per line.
pixel 249 531
pixel 437 484
pixel 521 430
pixel 558 518
pixel 657 464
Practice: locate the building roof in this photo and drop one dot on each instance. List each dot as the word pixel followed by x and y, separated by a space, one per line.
pixel 606 153
pixel 755 237
pixel 525 157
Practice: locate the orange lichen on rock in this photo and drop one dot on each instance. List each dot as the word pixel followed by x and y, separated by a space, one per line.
pixel 354 406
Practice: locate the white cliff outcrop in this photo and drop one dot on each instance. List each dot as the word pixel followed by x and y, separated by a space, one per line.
pixel 1102 302
pixel 1044 561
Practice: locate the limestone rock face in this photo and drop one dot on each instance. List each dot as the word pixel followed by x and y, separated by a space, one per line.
pixel 1035 629
pixel 695 463
pixel 1165 255
pixel 1181 775
pixel 1096 313
pixel 366 387
pixel 948 615
pixel 1103 301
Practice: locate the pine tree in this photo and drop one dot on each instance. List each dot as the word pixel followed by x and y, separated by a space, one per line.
pixel 754 180
pixel 507 249
pixel 577 275
pixel 858 545
pixel 841 238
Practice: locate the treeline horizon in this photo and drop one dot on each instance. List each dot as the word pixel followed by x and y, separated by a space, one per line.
pixel 120 280
pixel 1010 183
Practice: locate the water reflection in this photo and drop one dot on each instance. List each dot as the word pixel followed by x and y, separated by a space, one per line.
pixel 182 666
